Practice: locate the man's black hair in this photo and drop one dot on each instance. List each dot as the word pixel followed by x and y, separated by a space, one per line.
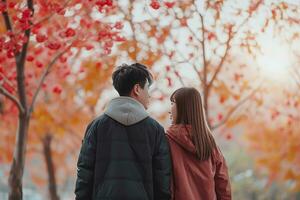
pixel 126 76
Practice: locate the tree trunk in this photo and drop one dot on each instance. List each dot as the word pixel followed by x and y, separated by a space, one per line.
pixel 50 167
pixel 205 98
pixel 17 167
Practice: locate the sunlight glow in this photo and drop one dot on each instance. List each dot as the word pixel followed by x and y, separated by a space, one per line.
pixel 275 60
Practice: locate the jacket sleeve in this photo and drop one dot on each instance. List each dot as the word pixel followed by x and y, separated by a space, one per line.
pixel 222 183
pixel 162 168
pixel 85 165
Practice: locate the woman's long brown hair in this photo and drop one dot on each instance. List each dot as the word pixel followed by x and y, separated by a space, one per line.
pixel 190 111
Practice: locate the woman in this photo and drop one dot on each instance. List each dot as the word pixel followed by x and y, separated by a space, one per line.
pixel 199 168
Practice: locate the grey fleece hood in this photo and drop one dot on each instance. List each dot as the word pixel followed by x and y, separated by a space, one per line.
pixel 126 110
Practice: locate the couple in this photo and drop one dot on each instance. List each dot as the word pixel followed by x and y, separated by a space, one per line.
pixel 126 154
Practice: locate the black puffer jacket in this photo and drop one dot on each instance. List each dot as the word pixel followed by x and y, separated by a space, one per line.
pixel 124 156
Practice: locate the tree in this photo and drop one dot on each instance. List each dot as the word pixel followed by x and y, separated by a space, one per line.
pixel 38 35
pixel 272 135
pixel 211 41
pixel 217 42
pixel 271 131
pixel 62 128
pixel 220 54
pixel 185 36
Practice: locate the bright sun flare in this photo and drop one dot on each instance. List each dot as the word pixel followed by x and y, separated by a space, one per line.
pixel 275 60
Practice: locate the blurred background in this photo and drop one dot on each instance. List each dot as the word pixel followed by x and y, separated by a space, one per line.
pixel 243 57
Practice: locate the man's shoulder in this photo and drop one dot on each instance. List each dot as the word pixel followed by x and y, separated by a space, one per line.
pixel 95 125
pixel 154 123
pixel 97 121
pixel 101 118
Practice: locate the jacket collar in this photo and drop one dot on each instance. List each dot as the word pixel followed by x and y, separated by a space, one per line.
pixel 126 110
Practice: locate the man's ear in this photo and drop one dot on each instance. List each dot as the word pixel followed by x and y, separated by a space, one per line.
pixel 136 90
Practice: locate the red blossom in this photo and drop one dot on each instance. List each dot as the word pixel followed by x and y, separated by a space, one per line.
pixel 119 25
pixel 1 69
pixel 25 26
pixel 107 51
pixel 108 44
pixel 81 70
pixel 120 39
pixel 8 88
pixel 161 98
pixel 98 65
pixel 155 4
pixel 2 7
pixel 89 47
pixel 38 51
pixel 104 34
pixel 63 59
pixel 220 116
pixel 36 28
pixel 57 89
pixel 10 53
pixel 30 58
pixel 54 45
pixel 169 4
pixel 11 4
pixel 183 22
pixel 26 14
pixel 44 85
pixel 67 73
pixel 168 68
pixel 171 54
pixel 39 64
pixel 211 36
pixel 57 8
pixel 70 32
pixel 103 3
pixel 41 38
pixel 169 81
pixel 222 99
pixel 229 136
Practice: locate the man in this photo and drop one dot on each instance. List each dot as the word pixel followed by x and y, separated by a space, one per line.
pixel 124 154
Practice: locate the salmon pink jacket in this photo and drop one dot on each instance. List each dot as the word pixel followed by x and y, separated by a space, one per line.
pixel 194 179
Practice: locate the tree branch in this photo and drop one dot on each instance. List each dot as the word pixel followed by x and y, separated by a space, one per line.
pixel 221 62
pixel 298 83
pixel 12 98
pixel 296 76
pixel 46 72
pixel 205 72
pixel 230 37
pixel 20 57
pixel 192 64
pixel 198 73
pixel 188 27
pixel 6 18
pixel 172 64
pixel 195 36
pixel 20 64
pixel 6 80
pixel 204 79
pixel 234 108
pixel 133 29
pixel 203 49
pixel 45 18
pixel 187 60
